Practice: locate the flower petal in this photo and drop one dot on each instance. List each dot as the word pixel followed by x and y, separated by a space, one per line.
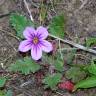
pixel 42 32
pixel 36 52
pixel 46 46
pixel 28 32
pixel 25 46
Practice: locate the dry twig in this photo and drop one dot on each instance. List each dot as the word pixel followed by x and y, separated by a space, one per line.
pixel 83 3
pixel 31 17
pixel 74 44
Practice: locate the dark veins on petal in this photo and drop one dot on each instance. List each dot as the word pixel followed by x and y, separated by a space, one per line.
pixel 39 36
pixel 30 43
pixel 43 44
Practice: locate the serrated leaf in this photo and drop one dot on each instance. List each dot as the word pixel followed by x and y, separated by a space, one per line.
pixel 57 25
pixel 59 66
pixel 47 59
pixel 2 81
pixel 70 56
pixel 87 83
pixel 90 41
pixel 75 74
pixel 58 62
pixel 25 66
pixel 19 23
pixel 52 80
pixel 92 68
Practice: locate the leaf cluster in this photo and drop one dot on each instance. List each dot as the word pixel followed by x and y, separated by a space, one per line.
pixel 19 23
pixel 3 92
pixel 56 61
pixel 57 25
pixel 90 81
pixel 2 81
pixel 25 66
pixel 90 41
pixel 51 81
pixel 75 74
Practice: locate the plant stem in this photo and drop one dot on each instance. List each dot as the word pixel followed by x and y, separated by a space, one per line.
pixel 60 50
pixel 74 44
pixel 31 17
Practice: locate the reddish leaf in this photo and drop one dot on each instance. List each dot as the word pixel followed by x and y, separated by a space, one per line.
pixel 66 85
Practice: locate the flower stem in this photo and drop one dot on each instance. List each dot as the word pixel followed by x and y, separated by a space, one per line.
pixel 60 50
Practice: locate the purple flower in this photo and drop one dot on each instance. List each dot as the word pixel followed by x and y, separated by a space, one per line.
pixel 35 42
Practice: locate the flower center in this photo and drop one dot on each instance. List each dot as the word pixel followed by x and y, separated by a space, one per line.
pixel 35 40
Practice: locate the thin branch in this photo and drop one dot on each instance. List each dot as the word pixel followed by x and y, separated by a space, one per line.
pixel 31 17
pixel 53 6
pixel 5 14
pixel 10 44
pixel 35 5
pixel 74 44
pixel 83 3
pixel 12 35
pixel 26 83
pixel 59 93
pixel 19 89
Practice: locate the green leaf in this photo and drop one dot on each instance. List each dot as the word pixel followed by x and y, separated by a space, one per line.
pixel 75 74
pixel 87 83
pixel 52 80
pixel 92 68
pixel 70 56
pixel 59 62
pixel 59 65
pixel 2 93
pixel 90 41
pixel 2 81
pixel 47 59
pixel 25 66
pixel 9 93
pixel 57 25
pixel 19 23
